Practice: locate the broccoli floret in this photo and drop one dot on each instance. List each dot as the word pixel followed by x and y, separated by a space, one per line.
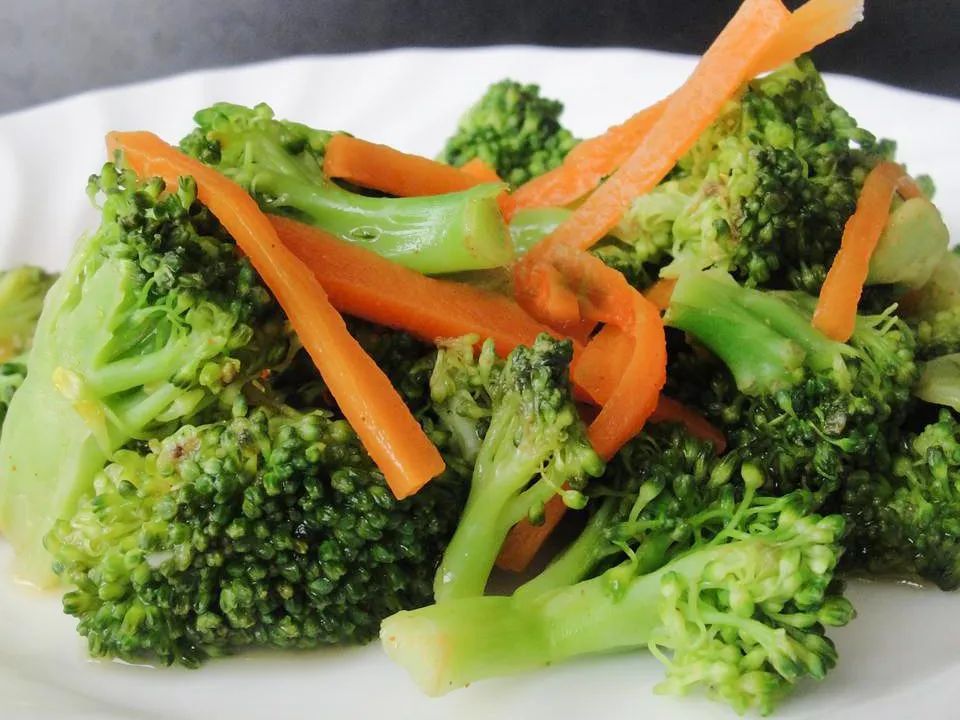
pixel 22 291
pixel 805 408
pixel 933 310
pixel 12 375
pixel 272 528
pixel 740 611
pixel 906 517
pixel 516 422
pixel 515 130
pixel 281 164
pixel 156 321
pixel 765 192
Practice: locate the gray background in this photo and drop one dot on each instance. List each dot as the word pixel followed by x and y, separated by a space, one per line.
pixel 52 48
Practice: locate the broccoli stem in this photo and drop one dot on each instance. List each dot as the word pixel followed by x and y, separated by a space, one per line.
pixel 436 234
pixel 450 645
pixel 939 381
pixel 711 308
pixel 530 226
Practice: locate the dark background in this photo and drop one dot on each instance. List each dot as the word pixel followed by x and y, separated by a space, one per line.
pixel 52 48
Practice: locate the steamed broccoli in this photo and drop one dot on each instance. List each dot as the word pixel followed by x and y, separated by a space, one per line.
pixel 271 528
pixel 12 375
pixel 731 590
pixel 906 517
pixel 281 164
pixel 513 129
pixel 933 310
pixel 155 322
pixel 516 423
pixel 806 408
pixel 765 192
pixel 22 291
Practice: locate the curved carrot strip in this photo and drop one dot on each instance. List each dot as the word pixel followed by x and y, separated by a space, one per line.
pixel 525 539
pixel 836 311
pixel 479 170
pixel 660 292
pixel 361 283
pixel 380 167
pixel 391 435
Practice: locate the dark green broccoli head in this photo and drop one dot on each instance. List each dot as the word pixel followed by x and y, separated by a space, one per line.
pixel 905 515
pixel 156 320
pixel 804 409
pixel 273 528
pixel 765 192
pixel 513 129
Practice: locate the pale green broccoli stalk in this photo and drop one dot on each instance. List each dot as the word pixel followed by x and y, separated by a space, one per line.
pixel 912 245
pixel 22 291
pixel 273 528
pixel 515 130
pixel 517 421
pixel 741 613
pixel 156 320
pixel 281 164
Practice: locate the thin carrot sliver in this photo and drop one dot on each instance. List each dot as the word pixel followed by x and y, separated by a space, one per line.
pixel 387 429
pixel 479 170
pixel 660 292
pixel 363 284
pixel 810 25
pixel 380 167
pixel 525 539
pixel 836 312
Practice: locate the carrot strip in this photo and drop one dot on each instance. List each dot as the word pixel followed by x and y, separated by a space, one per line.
pixel 380 167
pixel 810 25
pixel 525 539
pixel 691 110
pixel 388 431
pixel 479 170
pixel 588 163
pixel 660 292
pixel 361 283
pixel 597 369
pixel 836 311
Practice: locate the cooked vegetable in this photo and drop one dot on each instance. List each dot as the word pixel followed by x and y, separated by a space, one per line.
pixel 803 407
pixel 514 130
pixel 156 318
pixel 731 590
pixel 363 284
pixel 271 528
pixel 388 431
pixel 281 164
pixel 22 291
pixel 516 422
pixel 836 311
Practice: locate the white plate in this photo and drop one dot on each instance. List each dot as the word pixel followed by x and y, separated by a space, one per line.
pixel 901 658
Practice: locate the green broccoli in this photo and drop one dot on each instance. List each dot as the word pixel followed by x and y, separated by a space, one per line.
pixel 515 422
pixel 738 607
pixel 805 408
pixel 281 164
pixel 905 517
pixel 513 129
pixel 272 528
pixel 156 321
pixel 765 192
pixel 12 374
pixel 933 310
pixel 22 291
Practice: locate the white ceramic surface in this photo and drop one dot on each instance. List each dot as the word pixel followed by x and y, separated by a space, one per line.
pixel 900 658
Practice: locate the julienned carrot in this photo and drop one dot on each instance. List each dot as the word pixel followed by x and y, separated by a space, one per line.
pixel 479 170
pixel 361 283
pixel 810 25
pixel 394 439
pixel 836 311
pixel 660 292
pixel 690 110
pixel 525 539
pixel 597 369
pixel 587 164
pixel 380 167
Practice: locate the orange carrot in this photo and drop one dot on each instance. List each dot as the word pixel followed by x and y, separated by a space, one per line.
pixel 660 292
pixel 380 167
pixel 587 164
pixel 391 435
pixel 525 539
pixel 669 410
pixel 479 170
pixel 811 24
pixel 836 311
pixel 361 283
pixel 597 369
